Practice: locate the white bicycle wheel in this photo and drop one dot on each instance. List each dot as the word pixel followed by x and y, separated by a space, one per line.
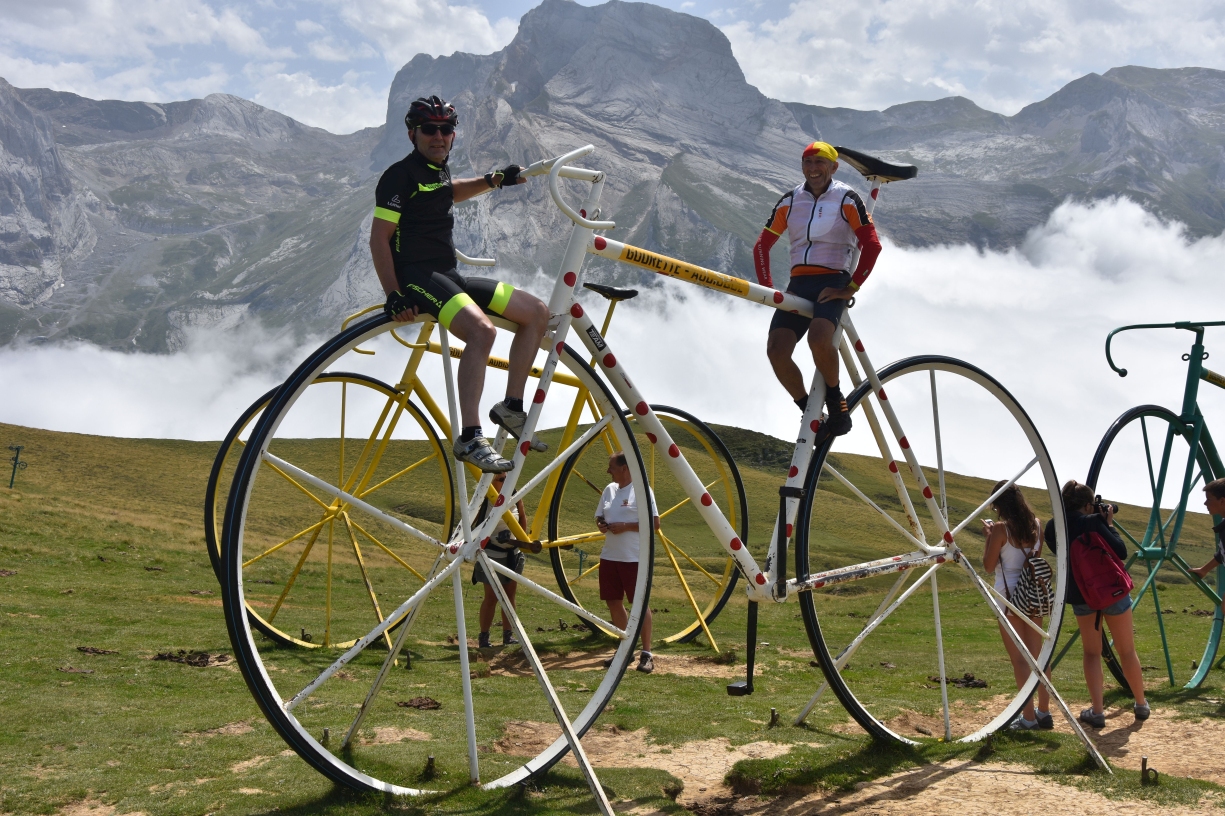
pixel 359 717
pixel 881 635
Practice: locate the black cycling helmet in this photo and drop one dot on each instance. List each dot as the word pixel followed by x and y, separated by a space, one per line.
pixel 434 110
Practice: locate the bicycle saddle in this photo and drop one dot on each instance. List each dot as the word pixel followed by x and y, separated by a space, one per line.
pixel 611 292
pixel 870 166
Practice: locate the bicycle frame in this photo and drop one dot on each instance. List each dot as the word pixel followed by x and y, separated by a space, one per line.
pixel 1155 547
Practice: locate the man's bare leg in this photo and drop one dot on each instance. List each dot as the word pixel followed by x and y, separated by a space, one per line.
pixel 533 318
pixel 779 348
pixel 821 342
pixel 478 334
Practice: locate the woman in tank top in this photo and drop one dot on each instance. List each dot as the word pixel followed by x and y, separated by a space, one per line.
pixel 1010 541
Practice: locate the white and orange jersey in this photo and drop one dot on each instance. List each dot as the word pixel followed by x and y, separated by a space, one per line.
pixel 821 228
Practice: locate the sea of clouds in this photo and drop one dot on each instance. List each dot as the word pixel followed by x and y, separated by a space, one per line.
pixel 1035 317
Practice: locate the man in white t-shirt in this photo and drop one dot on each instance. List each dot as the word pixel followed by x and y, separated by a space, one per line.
pixel 617 517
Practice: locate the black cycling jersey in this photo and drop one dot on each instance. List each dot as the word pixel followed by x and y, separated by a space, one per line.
pixel 415 195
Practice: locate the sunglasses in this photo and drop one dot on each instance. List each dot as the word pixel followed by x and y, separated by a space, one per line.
pixel 431 130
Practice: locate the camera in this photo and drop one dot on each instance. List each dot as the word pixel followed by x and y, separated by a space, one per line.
pixel 1102 506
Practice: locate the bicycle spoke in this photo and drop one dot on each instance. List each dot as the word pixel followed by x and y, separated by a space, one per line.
pixel 689 558
pixel 361 563
pixel 860 494
pixel 385 549
pixel 293 576
pixel 586 572
pixel 849 651
pixel 939 449
pixel 944 681
pixel 577 538
pixel 365 640
pixel 313 528
pixel 353 500
pixel 1119 526
pixel 550 595
pixel 294 482
pixel 686 500
pixel 993 497
pixel 542 677
pixel 688 593
pixel 327 628
pixel 402 473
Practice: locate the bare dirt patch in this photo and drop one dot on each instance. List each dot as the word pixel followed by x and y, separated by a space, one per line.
pixel 700 765
pixel 1173 746
pixel 233 729
pixel 193 658
pixel 960 786
pixel 92 807
pixel 390 735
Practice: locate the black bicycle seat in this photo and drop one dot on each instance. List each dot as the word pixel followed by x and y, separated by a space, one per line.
pixel 611 292
pixel 870 166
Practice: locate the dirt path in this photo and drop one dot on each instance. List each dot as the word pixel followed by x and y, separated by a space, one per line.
pixel 1174 747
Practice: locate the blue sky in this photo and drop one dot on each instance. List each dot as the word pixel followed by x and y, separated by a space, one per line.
pixel 329 63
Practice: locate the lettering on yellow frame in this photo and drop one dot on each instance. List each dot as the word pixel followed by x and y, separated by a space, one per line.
pixel 679 269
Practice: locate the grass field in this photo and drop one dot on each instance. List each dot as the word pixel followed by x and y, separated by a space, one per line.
pixel 101 547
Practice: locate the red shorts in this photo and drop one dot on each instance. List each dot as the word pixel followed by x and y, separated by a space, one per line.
pixel 618 579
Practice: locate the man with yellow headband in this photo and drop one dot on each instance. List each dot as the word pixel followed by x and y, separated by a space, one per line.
pixel 826 221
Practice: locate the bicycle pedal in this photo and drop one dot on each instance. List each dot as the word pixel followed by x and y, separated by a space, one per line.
pixel 538 445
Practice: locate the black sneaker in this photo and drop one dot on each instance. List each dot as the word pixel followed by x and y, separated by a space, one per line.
pixel 839 421
pixel 482 641
pixel 1088 717
pixel 646 664
pixel 1045 720
pixel 508 638
pixel 513 421
pixel 477 452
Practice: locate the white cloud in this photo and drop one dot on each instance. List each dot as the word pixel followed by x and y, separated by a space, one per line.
pixel 309 27
pixel 404 28
pixel 1035 317
pixel 342 108
pixel 1002 55
pixel 133 29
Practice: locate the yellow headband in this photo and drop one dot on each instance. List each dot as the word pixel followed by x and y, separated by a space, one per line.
pixel 822 149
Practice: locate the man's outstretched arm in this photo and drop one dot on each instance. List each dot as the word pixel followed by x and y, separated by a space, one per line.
pixel 761 256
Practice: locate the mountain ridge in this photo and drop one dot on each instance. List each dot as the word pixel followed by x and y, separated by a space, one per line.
pixel 139 221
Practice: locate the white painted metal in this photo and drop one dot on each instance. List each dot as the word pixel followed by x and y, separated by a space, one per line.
pixel 465 676
pixel 944 681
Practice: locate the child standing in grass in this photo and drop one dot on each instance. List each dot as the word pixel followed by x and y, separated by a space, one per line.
pixel 1214 500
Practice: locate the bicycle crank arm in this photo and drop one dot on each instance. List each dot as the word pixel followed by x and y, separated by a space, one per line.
pixel 743 688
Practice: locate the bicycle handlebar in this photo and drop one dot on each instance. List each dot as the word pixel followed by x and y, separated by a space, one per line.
pixel 1187 325
pixel 475 261
pixel 556 168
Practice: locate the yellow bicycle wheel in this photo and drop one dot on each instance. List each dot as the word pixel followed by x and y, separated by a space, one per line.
pixel 313 581
pixel 693 577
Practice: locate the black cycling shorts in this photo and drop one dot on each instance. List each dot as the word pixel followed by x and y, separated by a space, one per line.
pixel 810 287
pixel 443 294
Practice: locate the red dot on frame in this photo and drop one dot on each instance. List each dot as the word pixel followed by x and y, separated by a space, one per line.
pixel 858 345
pixel 893 467
pixel 539 395
pixel 927 492
pixel 484 542
pixel 789 531
pixel 815 424
pixel 778 297
pixel 525 447
pixel 576 311
pixel 609 360
pixel 570 278
pixel 761 579
pixel 903 442
pixel 583 213
pixel 707 501
pixel 560 346
pixel 652 437
pixel 600 243
pixel 641 408
pixel 736 544
pixel 674 451
pixel 948 536
pixel 875 193
pixel 501 501
pixel 795 471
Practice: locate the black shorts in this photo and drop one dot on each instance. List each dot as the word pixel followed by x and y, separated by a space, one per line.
pixel 511 559
pixel 810 287
pixel 443 294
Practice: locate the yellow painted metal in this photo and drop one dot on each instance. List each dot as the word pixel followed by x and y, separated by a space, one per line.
pixel 361 563
pixel 502 364
pixel 674 268
pixel 327 631
pixel 293 576
pixel 313 528
pixel 386 549
pixel 696 565
pixel 688 593
pixel 587 572
pixel 296 484
pixel 399 475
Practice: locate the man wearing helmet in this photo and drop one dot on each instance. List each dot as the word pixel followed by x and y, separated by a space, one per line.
pixel 414 256
pixel 826 221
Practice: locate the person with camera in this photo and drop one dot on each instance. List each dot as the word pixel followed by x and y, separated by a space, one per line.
pixel 1088 515
pixel 1214 500
pixel 1011 544
pixel 503 548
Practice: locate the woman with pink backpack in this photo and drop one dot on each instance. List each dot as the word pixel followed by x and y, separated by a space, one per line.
pixel 1099 591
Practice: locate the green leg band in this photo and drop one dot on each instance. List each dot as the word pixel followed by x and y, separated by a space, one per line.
pixel 453 307
pixel 501 298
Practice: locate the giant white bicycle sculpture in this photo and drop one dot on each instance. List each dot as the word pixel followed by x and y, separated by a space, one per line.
pixel 346 715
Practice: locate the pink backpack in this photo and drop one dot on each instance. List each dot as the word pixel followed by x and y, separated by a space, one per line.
pixel 1098 571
